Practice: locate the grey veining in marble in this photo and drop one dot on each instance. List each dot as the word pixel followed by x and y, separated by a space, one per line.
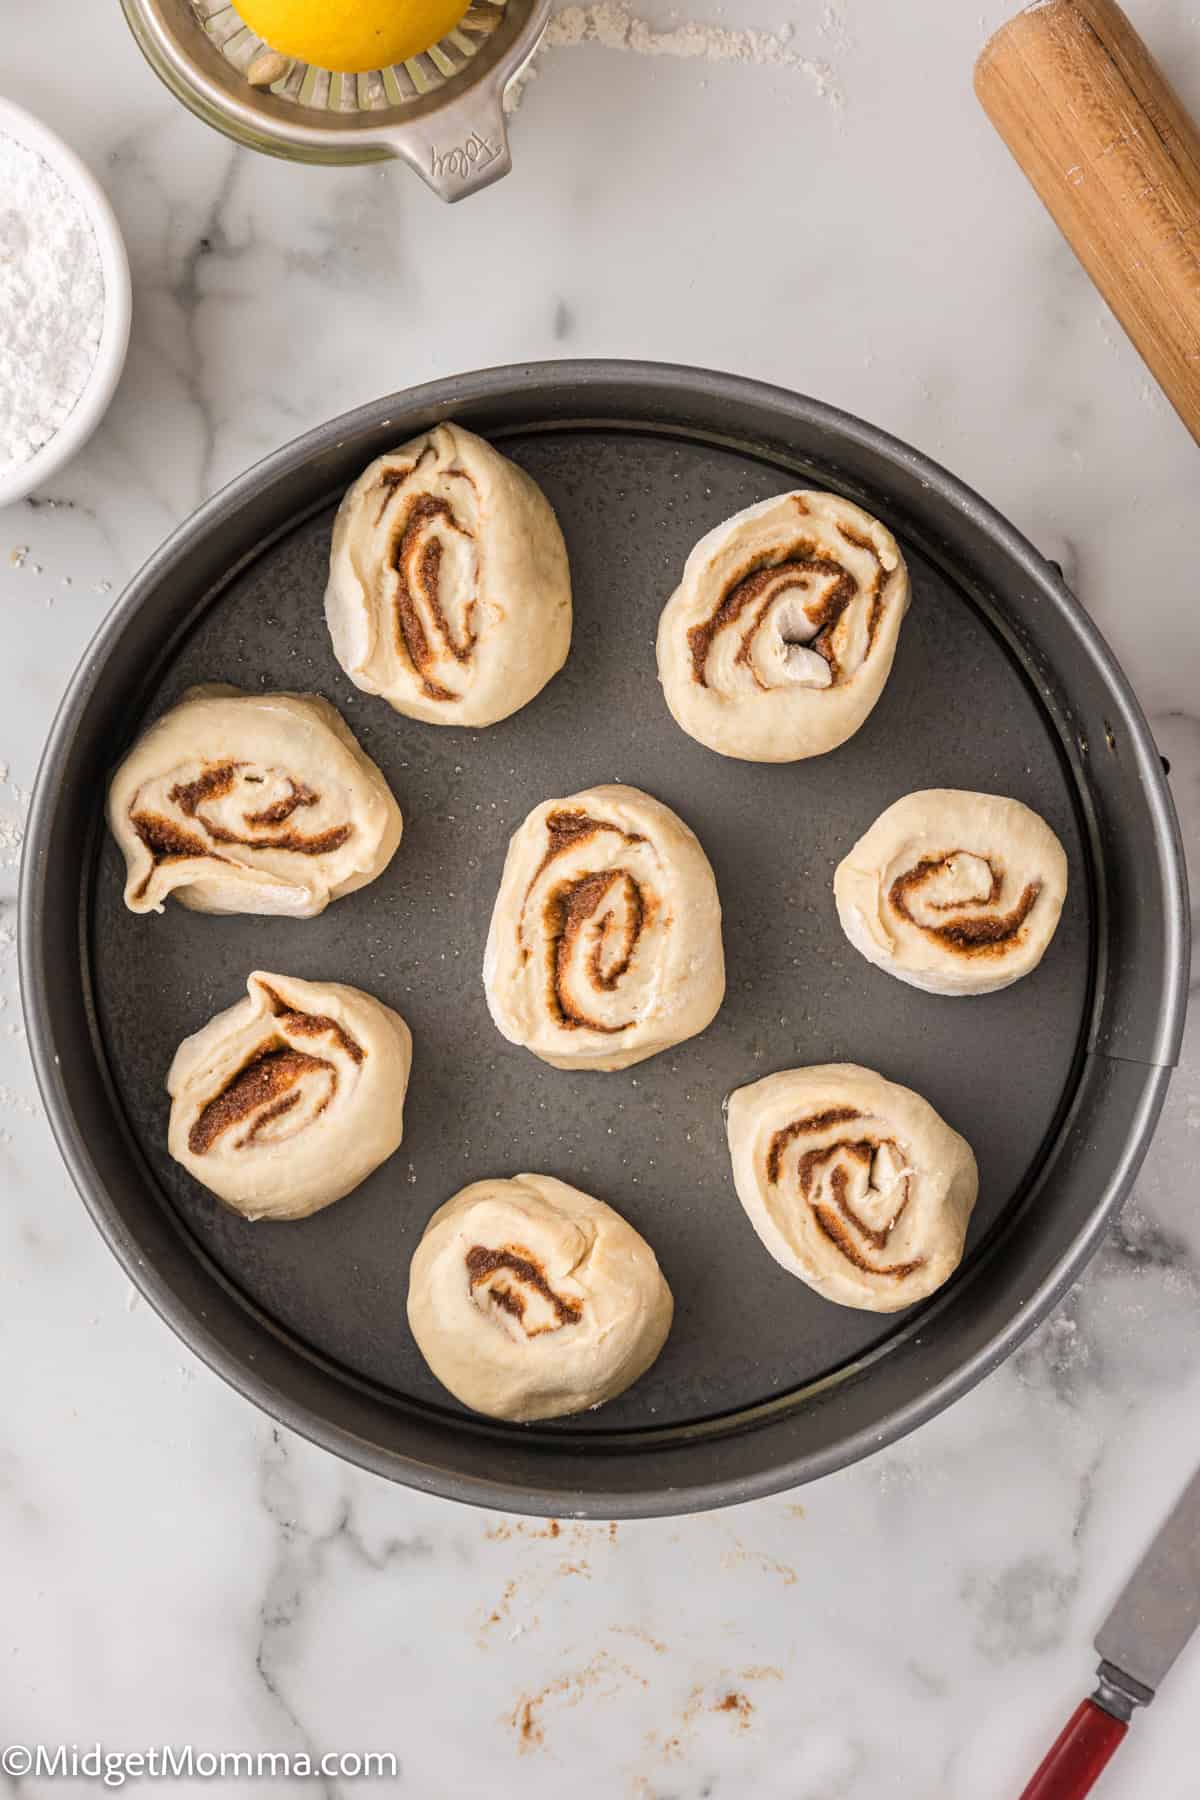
pixel 172 1569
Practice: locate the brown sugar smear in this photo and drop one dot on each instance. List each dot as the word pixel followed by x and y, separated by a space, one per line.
pixel 822 1171
pixel 567 827
pixel 570 907
pixel 261 1091
pixel 569 912
pixel 971 934
pixel 421 586
pixel 799 565
pixel 301 1024
pixel 169 841
pixel 482 1263
pixel 267 1085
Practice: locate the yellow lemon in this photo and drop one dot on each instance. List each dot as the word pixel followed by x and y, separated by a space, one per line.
pixel 351 35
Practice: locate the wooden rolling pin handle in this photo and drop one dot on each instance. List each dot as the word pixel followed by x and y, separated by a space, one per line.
pixel 1112 151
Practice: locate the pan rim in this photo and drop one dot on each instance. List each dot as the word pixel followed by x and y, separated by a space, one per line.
pixel 539 388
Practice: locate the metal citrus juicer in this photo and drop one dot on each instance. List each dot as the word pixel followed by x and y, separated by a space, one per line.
pixel 441 112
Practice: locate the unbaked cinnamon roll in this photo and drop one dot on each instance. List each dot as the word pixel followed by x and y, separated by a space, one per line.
pixel 449 592
pixel 853 1183
pixel 250 803
pixel 953 892
pixel 289 1099
pixel 779 639
pixel 605 941
pixel 529 1299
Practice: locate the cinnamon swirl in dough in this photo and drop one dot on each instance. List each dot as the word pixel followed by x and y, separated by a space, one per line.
pixel 529 1299
pixel 286 1101
pixel 250 803
pixel 853 1183
pixel 953 892
pixel 605 942
pixel 779 639
pixel 449 592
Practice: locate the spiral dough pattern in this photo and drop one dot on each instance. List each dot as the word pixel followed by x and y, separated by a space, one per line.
pixel 605 941
pixel 250 803
pixel 449 592
pixel 529 1299
pixel 954 892
pixel 853 1183
pixel 289 1099
pixel 780 637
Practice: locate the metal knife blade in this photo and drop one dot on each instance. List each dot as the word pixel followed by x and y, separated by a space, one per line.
pixel 1159 1607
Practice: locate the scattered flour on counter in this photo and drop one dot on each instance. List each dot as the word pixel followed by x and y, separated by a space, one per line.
pixel 12 835
pixel 614 24
pixel 51 302
pixel 835 26
pixel 18 1103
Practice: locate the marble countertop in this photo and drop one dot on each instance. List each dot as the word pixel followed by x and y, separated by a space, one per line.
pixel 838 218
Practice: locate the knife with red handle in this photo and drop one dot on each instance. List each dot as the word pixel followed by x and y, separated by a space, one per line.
pixel 1153 1619
pixel 1081 1751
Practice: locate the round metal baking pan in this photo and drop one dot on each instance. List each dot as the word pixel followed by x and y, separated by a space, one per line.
pixel 1000 683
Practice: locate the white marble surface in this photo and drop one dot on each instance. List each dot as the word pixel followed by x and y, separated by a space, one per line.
pixel 172 1569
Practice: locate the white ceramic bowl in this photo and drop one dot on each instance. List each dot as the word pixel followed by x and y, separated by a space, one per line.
pixel 92 404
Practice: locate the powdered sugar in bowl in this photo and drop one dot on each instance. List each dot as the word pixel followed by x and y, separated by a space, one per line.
pixel 64 303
